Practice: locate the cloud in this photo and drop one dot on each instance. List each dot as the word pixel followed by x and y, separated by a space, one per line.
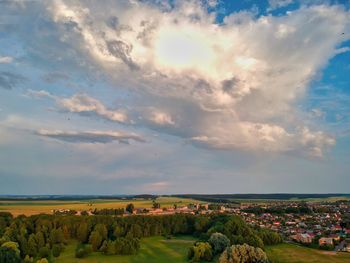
pixel 160 118
pixel 81 103
pixel 6 60
pixel 275 4
pixel 9 80
pixel 236 84
pixel 40 94
pixel 90 136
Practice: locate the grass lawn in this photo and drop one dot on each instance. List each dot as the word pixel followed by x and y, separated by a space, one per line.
pixel 153 250
pixel 289 253
pixel 36 207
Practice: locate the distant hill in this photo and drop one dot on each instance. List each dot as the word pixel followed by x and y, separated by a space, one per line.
pixel 231 197
pixel 215 198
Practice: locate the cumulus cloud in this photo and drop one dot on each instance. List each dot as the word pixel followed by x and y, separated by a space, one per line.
pixel 90 136
pixel 240 80
pixel 81 103
pixel 160 118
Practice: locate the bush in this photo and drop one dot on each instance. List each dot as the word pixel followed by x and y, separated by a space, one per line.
pixel 44 252
pixel 243 253
pixel 218 242
pixel 200 251
pixel 8 255
pixel 56 250
pixel 82 250
pixel 28 259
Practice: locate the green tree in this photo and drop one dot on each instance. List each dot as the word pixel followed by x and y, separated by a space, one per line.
pixel 243 253
pixel 130 208
pixel 82 250
pixel 32 246
pixel 118 231
pixel 200 251
pixel 56 236
pixel 43 260
pixel 12 245
pixel 28 259
pixel 102 229
pixel 40 240
pixel 95 240
pixel 83 232
pixel 8 255
pixel 104 247
pixel 44 252
pixel 155 205
pixel 201 224
pixel 218 242
pixel 56 250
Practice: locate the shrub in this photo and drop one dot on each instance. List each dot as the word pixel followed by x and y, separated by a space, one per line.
pixel 200 251
pixel 56 250
pixel 218 242
pixel 243 253
pixel 82 250
pixel 44 252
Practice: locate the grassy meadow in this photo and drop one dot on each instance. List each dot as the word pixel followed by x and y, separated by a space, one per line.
pixel 36 207
pixel 158 249
pixel 290 253
pixel 153 250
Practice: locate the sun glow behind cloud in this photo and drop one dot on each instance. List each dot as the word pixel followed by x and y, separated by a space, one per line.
pixel 183 48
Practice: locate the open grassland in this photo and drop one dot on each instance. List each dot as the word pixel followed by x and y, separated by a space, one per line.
pixel 153 250
pixel 289 253
pixel 37 207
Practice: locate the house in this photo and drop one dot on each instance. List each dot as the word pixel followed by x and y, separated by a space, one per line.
pixel 335 237
pixel 302 238
pixel 325 241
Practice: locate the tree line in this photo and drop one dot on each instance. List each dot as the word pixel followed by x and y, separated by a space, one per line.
pixel 45 236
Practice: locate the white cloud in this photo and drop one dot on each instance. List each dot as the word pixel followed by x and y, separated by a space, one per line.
pixel 236 83
pixel 275 4
pixel 6 60
pixel 81 103
pixel 160 118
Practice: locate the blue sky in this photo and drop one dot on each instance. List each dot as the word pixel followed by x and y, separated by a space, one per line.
pixel 124 97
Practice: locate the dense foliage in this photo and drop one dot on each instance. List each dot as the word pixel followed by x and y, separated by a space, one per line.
pixel 242 254
pixel 44 236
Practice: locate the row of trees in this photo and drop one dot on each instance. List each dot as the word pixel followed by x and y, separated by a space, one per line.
pixel 43 236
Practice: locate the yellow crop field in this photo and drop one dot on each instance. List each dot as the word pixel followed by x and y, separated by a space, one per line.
pixel 36 207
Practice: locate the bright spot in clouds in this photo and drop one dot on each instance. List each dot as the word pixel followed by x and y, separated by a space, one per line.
pixel 183 49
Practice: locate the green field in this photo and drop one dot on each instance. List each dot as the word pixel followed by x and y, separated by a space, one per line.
pixel 36 207
pixel 153 249
pixel 158 249
pixel 288 253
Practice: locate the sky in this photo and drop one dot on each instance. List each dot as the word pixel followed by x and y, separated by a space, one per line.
pixel 166 97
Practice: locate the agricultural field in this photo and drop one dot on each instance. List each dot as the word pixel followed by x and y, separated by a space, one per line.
pixel 153 249
pixel 36 207
pixel 290 253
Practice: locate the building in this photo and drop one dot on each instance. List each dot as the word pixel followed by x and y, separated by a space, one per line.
pixel 325 241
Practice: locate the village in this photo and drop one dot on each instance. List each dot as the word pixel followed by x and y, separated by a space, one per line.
pixel 322 225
